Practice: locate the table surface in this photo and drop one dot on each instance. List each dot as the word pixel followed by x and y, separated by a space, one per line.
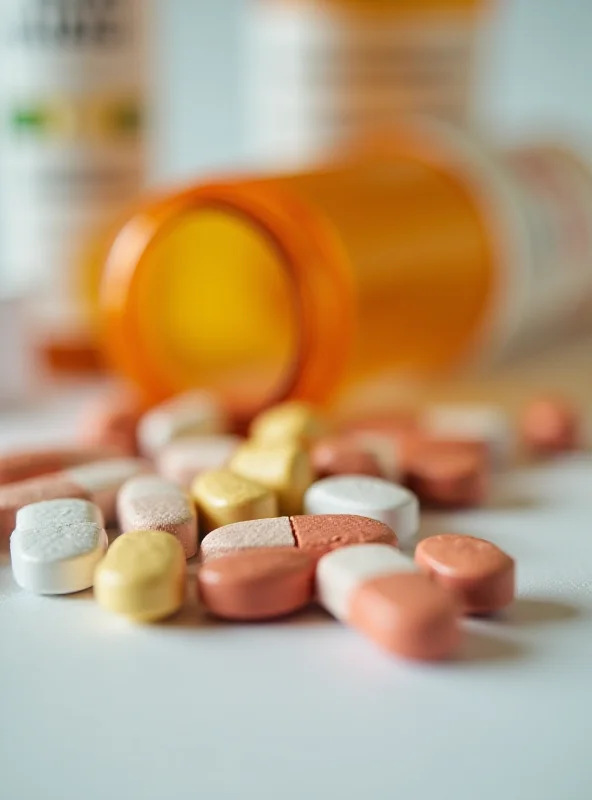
pixel 93 707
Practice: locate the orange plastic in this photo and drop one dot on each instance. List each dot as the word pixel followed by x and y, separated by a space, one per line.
pixel 301 285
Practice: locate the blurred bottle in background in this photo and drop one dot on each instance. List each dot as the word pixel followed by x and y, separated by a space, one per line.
pixel 322 73
pixel 71 158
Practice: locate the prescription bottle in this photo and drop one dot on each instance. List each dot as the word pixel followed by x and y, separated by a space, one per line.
pixel 72 95
pixel 321 73
pixel 415 258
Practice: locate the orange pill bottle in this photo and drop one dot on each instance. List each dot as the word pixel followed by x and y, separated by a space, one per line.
pixel 414 259
pixel 321 73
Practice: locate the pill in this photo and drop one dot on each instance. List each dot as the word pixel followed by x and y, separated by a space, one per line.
pixel 58 513
pixel 149 502
pixel 471 422
pixel 370 497
pixel 49 487
pixel 112 420
pixel 190 414
pixel 102 480
pixel 256 584
pixel 256 533
pixel 183 459
pixel 342 456
pixel 56 546
pixel 142 576
pixel 453 479
pixel 223 497
pixel 286 469
pixel 317 534
pixel 550 425
pixel 393 448
pixel 378 591
pixel 21 465
pixel 293 421
pixel 480 574
pixel 403 420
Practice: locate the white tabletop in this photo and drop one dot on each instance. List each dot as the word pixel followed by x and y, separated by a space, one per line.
pixel 94 707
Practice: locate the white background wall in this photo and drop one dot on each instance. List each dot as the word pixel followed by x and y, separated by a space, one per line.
pixel 535 77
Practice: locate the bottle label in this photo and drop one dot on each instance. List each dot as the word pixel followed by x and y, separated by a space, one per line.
pixel 536 204
pixel 70 145
pixel 322 75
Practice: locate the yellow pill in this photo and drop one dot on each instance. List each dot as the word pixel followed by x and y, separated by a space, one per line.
pixel 142 576
pixel 294 421
pixel 223 497
pixel 286 469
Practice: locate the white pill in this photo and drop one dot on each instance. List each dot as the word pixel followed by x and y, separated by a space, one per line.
pixel 367 497
pixel 103 479
pixel 190 414
pixel 183 459
pixel 55 551
pixel 471 422
pixel 341 573
pixel 152 503
pixel 58 513
pixel 272 532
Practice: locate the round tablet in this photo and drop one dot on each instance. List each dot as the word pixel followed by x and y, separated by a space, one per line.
pixel 256 584
pixel 368 497
pixel 480 574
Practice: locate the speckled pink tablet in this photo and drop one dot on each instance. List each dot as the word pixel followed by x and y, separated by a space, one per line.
pixel 151 503
pixel 318 534
pixel 261 583
pixel 476 571
pixel 272 532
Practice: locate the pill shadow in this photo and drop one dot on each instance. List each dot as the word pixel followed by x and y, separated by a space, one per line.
pixel 480 645
pixel 192 615
pixel 538 611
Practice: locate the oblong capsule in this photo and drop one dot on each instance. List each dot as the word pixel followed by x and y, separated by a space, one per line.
pixel 183 459
pixel 318 534
pixel 550 425
pixel 142 576
pixel 478 572
pixel 454 479
pixel 98 482
pixel 56 546
pixel 149 502
pixel 293 421
pixel 256 533
pixel 285 469
pixel 22 465
pixel 378 591
pixel 256 584
pixel 361 495
pixel 190 414
pixel 223 498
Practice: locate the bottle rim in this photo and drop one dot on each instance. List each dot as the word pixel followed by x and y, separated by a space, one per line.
pixel 307 248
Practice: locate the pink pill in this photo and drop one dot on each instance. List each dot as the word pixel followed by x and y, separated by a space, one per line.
pixel 257 584
pixel 151 503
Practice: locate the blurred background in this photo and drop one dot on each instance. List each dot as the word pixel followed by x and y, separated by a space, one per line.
pixel 105 100
pixel 532 77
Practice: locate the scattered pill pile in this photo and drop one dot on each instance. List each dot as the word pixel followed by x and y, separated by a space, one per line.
pixel 293 514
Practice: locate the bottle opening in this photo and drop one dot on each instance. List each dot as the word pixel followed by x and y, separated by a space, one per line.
pixel 217 306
